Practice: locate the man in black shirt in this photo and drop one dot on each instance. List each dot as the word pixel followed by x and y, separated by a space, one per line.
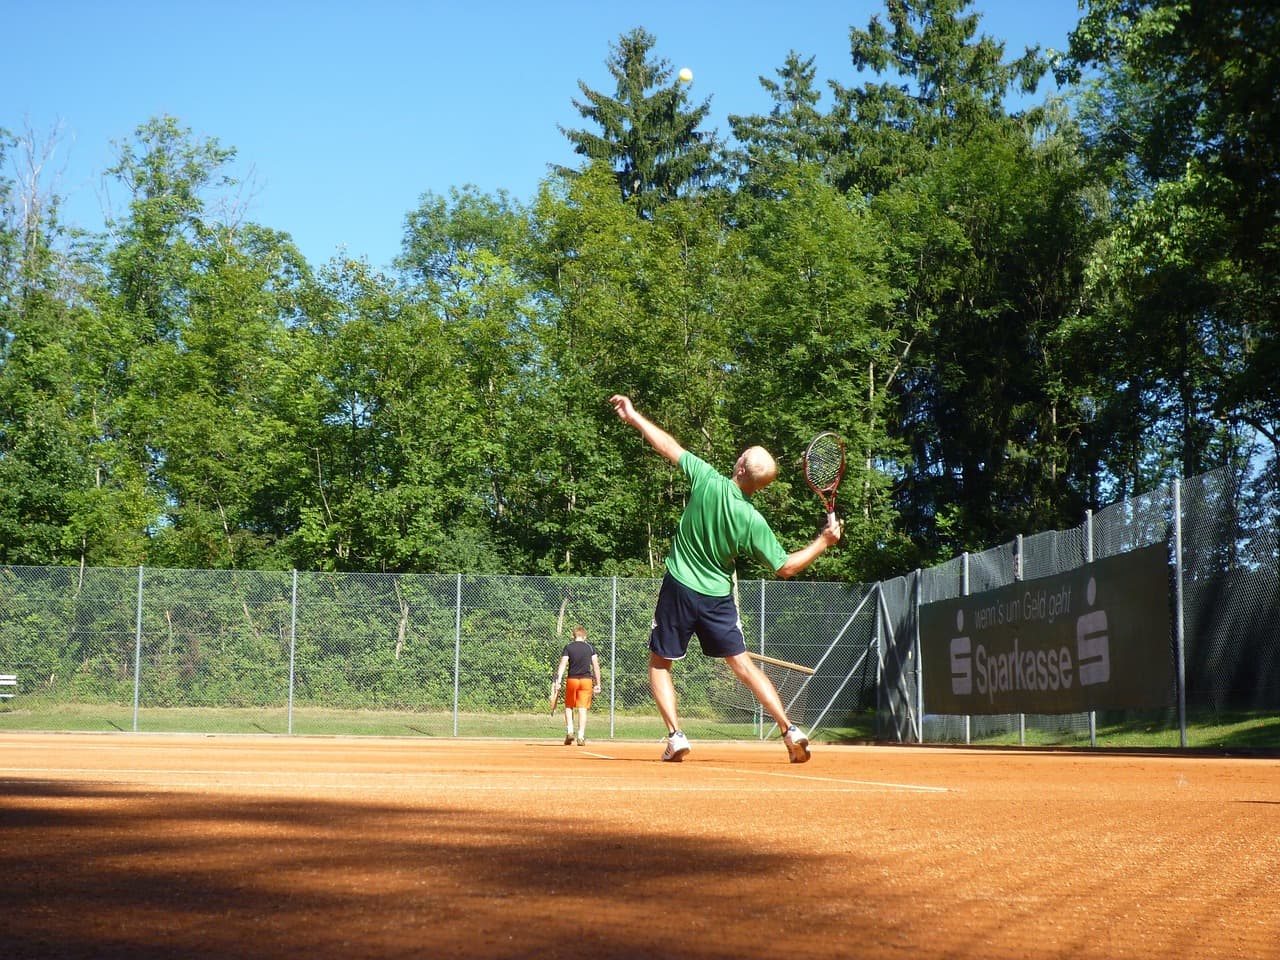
pixel 582 664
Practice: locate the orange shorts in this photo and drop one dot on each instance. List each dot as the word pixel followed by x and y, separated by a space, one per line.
pixel 577 691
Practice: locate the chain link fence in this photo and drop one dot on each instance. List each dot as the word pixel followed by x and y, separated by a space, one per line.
pixel 457 655
pixel 330 653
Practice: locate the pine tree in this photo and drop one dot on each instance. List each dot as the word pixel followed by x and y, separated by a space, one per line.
pixel 649 132
pixel 793 133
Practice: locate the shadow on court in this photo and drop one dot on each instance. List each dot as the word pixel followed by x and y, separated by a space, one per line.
pixel 113 872
pixel 158 847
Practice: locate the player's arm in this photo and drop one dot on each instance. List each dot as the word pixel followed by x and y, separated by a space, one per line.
pixel 658 438
pixel 564 665
pixel 595 670
pixel 800 559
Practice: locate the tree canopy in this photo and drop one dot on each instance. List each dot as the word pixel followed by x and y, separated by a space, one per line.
pixel 1011 315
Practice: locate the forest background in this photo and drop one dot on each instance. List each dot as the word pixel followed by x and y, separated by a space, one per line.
pixel 1012 317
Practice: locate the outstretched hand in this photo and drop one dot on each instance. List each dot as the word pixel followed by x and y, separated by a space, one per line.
pixel 623 407
pixel 657 438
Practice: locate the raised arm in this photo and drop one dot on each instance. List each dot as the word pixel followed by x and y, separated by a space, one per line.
pixel 658 438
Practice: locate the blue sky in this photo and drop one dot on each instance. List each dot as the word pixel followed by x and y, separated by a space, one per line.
pixel 344 114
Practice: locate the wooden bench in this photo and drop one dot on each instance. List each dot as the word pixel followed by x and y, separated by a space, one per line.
pixel 8 685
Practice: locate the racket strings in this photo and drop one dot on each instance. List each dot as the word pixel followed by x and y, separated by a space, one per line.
pixel 823 462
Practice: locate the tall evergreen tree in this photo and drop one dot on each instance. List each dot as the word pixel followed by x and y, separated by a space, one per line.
pixel 648 134
pixel 942 83
pixel 793 133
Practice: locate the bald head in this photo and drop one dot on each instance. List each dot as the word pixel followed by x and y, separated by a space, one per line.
pixel 755 470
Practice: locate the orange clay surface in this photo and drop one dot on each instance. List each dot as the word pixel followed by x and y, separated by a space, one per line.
pixel 146 846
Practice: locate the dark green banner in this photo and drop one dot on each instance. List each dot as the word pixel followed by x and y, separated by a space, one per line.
pixel 1094 638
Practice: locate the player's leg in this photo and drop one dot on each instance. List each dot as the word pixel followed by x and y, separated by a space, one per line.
pixel 568 717
pixel 758 682
pixel 720 632
pixel 664 690
pixel 582 726
pixel 669 634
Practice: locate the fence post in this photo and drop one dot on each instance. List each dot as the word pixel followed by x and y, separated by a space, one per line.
pixel 919 654
pixel 457 650
pixel 1088 558
pixel 1017 577
pixel 964 592
pixel 293 643
pixel 137 654
pixel 1179 630
pixel 876 638
pixel 613 657
pixel 759 717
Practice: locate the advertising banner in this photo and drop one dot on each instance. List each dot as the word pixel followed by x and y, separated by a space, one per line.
pixel 1094 638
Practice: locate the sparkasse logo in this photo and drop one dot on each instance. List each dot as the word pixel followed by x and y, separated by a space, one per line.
pixel 993 670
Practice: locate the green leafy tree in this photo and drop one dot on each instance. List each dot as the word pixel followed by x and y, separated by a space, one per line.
pixel 385 417
pixel 196 304
pixel 988 224
pixel 165 173
pixel 1179 109
pixel 992 241
pixel 39 467
pixel 943 83
pixel 221 421
pixel 823 349
pixel 645 307
pixel 464 254
pixel 60 499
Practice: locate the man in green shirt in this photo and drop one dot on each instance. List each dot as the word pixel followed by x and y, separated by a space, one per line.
pixel 718 525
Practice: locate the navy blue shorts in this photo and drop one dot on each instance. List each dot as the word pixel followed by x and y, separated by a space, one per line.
pixel 682 612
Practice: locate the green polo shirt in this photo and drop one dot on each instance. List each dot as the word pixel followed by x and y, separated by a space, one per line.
pixel 718 525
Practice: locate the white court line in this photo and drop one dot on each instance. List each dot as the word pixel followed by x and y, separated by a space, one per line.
pixel 367 781
pixel 353 780
pixel 293 787
pixel 918 788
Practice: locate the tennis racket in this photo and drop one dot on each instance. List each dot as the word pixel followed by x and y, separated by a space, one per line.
pixel 824 469
pixel 554 698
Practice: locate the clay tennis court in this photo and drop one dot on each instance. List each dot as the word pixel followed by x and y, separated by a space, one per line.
pixel 188 846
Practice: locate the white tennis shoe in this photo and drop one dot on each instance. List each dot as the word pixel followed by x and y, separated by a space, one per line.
pixel 797 744
pixel 677 747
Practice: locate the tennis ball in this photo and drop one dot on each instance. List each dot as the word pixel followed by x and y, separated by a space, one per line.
pixel 686 75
